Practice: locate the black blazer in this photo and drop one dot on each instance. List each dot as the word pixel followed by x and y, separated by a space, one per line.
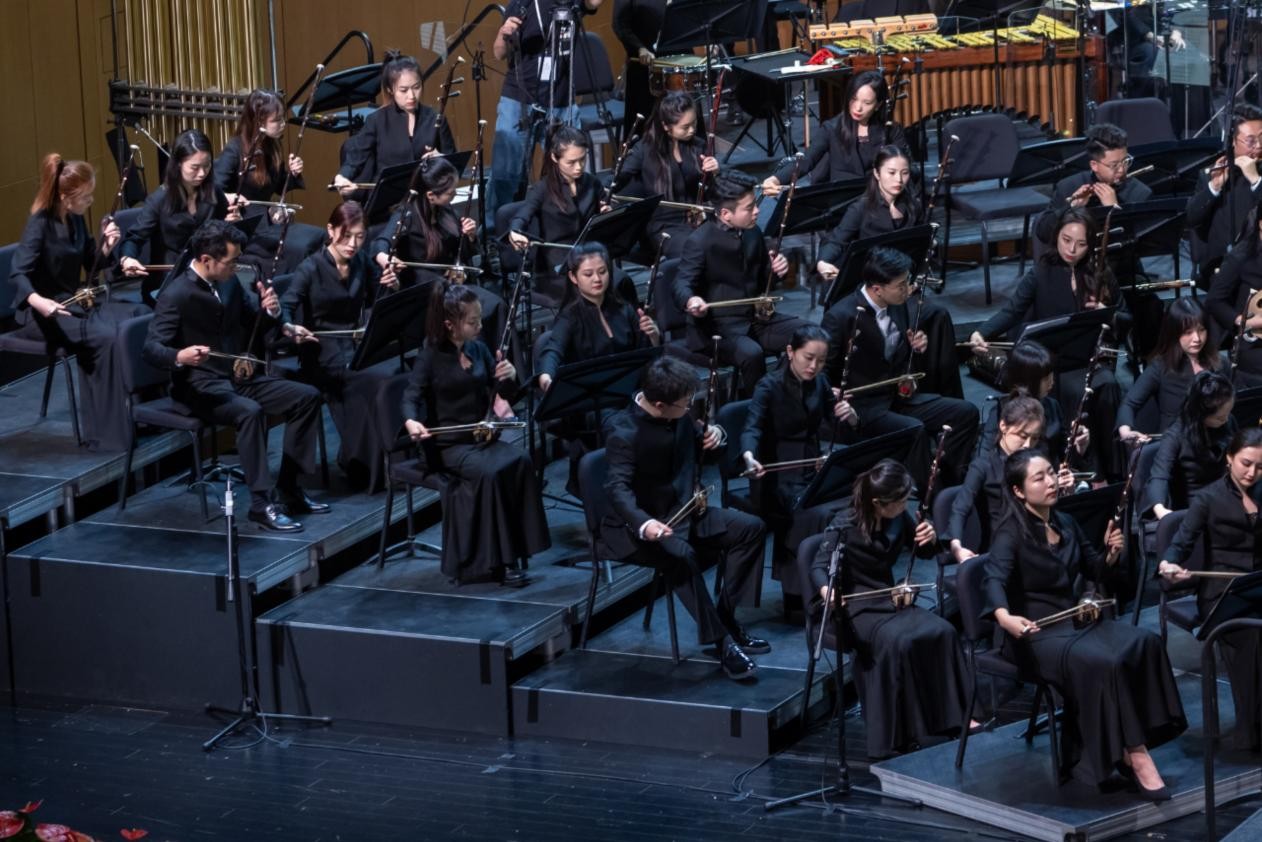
pixel 1240 272
pixel 867 362
pixel 651 463
pixel 637 23
pixel 50 258
pixel 318 299
pixel 783 423
pixel 558 223
pixel 829 159
pixel 982 491
pixel 1054 431
pixel 868 561
pixel 191 311
pixel 1217 221
pixel 577 333
pixel 1169 387
pixel 721 264
pixel 861 221
pixel 1232 543
pixel 1042 293
pixel 1182 467
pixel 412 244
pixel 1129 192
pixel 384 142
pixel 169 233
pixel 228 166
pixel 442 392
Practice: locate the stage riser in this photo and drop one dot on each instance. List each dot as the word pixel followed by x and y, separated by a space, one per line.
pixel 385 678
pixel 122 635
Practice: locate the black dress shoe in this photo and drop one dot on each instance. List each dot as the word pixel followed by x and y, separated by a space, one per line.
pixel 515 578
pixel 736 663
pixel 1161 793
pixel 298 503
pixel 752 645
pixel 271 517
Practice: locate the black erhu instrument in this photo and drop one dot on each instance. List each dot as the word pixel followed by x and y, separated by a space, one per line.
pixel 663 239
pixel 926 502
pixel 302 130
pixel 1075 427
pixel 713 126
pixel 446 93
pixel 766 308
pixel 246 367
pixel 633 137
pixel 87 295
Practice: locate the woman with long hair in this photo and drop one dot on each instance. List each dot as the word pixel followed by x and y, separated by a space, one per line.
pixel 1120 697
pixel 669 161
pixel 493 509
pixel 1028 370
pixel 56 251
pixel 909 664
pixel 848 143
pixel 1223 518
pixel 1190 455
pixel 399 132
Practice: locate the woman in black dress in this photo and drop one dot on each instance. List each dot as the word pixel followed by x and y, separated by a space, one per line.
pixel 400 132
pixel 330 291
pixel 1192 450
pixel 1240 272
pixel 493 510
pixel 669 161
pixel 1225 517
pixel 269 173
pixel 849 141
pixel 596 322
pixel 1120 697
pixel 187 198
pixel 891 203
pixel 1028 368
pixel 559 204
pixel 789 407
pixel 55 252
pixel 1183 351
pixel 909 666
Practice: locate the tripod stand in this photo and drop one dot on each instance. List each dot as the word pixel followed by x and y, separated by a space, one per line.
pixel 247 712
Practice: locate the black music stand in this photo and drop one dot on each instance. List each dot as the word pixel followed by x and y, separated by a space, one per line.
pixel 1238 608
pixel 398 320
pixel 1093 510
pixel 1248 407
pixel 1148 229
pixel 1048 162
pixel 619 230
pixel 1071 338
pixel 393 182
pixel 836 476
pixel 818 207
pixel 344 89
pixel 1178 163
pixel 703 23
pixel 913 242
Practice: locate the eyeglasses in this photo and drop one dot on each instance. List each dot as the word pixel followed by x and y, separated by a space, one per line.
pixel 1250 141
pixel 1119 166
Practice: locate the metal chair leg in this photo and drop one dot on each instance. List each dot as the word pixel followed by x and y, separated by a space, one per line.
pixel 648 610
pixel 48 386
pixel 986 259
pixel 591 599
pixel 197 472
pixel 385 523
pixel 670 615
pixel 70 399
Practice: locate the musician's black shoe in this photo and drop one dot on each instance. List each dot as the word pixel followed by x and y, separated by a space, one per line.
pixel 736 663
pixel 752 645
pixel 297 502
pixel 271 517
pixel 515 578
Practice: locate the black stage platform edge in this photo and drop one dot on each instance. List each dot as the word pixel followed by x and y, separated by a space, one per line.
pixel 401 657
pixel 648 700
pixel 1008 784
pixel 1249 830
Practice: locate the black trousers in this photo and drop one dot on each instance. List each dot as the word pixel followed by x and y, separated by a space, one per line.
pixel 247 406
pixel 737 539
pixel 927 413
pixel 746 344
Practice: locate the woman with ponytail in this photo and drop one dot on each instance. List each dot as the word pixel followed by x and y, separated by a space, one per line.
pixel 56 252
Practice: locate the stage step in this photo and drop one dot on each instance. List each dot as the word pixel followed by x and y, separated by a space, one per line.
pixel 649 700
pixel 1249 830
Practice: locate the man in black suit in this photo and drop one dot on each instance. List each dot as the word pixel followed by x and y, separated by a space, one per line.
pixel 883 347
pixel 652 448
pixel 1218 210
pixel 205 308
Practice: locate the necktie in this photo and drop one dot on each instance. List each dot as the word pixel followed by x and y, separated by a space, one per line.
pixel 888 330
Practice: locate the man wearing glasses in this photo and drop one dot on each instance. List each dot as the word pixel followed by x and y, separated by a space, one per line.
pixel 1219 209
pixel 203 325
pixel 1104 184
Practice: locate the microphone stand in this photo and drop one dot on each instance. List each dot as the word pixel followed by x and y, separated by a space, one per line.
pixel 247 712
pixel 842 787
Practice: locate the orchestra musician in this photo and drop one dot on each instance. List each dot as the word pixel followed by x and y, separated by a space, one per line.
pixel 849 142
pixel 789 408
pixel 885 347
pixel 1223 518
pixel 187 199
pixel 56 251
pixel 1120 697
pixel 1190 456
pixel 1183 351
pixel 268 172
pixel 399 132
pixel 1217 211
pixel 596 322
pixel 1231 290
pixel 1028 368
pixel 637 24
pixel 536 85
pixel 670 161
pixel 329 292
pixel 652 448
pixel 493 509
pixel 204 309
pixel 910 668
pixel 727 259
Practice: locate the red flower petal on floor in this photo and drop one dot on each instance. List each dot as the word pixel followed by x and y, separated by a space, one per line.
pixel 54 833
pixel 31 806
pixel 133 833
pixel 11 824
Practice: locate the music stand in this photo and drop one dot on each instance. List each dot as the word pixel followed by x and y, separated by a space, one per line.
pixel 836 476
pixel 1248 407
pixel 703 23
pixel 619 230
pixel 606 382
pixel 344 89
pixel 1048 162
pixel 393 182
pixel 818 207
pixel 1093 510
pixel 1178 163
pixel 1152 228
pixel 913 242
pixel 397 319
pixel 1072 338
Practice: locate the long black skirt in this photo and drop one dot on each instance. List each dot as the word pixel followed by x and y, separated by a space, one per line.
pixel 351 397
pixel 1118 688
pixel 912 677
pixel 92 337
pixel 493 512
pixel 1242 652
